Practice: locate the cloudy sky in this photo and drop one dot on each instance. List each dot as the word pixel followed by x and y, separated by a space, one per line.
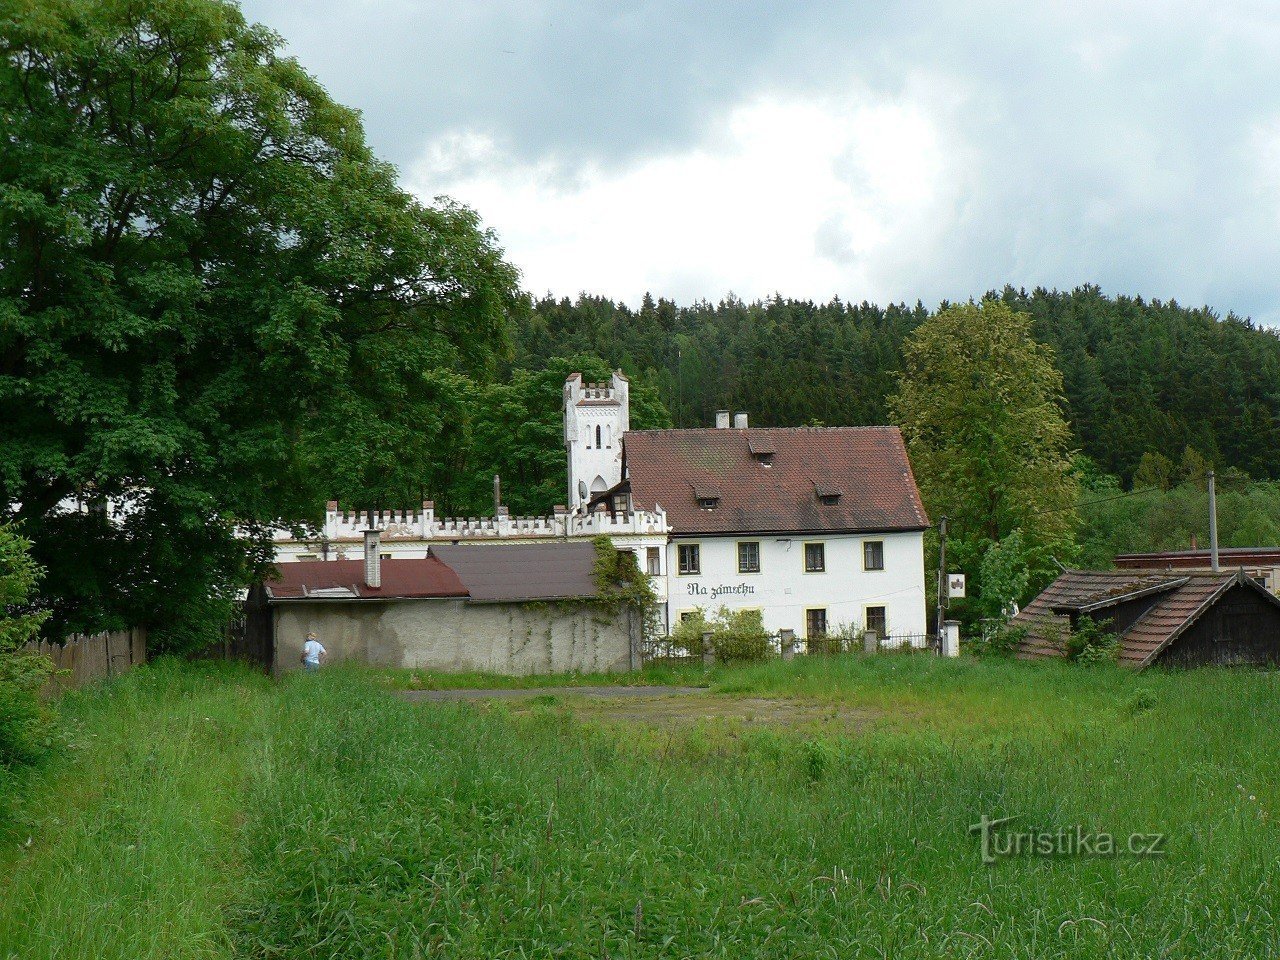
pixel 875 150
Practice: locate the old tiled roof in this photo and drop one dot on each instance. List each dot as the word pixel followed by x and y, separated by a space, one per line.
pixel 867 465
pixel 1178 600
pixel 344 579
pixel 523 571
pixel 483 572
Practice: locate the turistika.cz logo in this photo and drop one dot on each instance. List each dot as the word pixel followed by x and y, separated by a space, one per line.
pixel 996 841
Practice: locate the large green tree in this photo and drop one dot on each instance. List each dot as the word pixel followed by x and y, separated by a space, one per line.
pixel 204 271
pixel 980 407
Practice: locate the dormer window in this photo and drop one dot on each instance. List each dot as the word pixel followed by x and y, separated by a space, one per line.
pixel 762 450
pixel 827 494
pixel 707 495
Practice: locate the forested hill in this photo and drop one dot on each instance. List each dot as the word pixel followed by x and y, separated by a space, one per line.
pixel 1140 375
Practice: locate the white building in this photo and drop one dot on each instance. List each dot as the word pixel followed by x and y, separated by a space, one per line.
pixel 815 527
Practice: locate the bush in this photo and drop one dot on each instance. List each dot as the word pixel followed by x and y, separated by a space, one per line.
pixel 1003 641
pixel 1092 643
pixel 26 724
pixel 735 636
pixel 842 638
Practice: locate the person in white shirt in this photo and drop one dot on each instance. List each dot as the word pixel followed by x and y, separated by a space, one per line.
pixel 313 652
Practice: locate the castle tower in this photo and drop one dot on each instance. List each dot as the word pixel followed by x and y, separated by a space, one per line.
pixel 596 415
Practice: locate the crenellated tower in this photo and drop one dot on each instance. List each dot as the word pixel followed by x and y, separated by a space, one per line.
pixel 596 415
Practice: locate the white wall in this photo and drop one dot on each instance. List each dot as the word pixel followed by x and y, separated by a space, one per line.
pixel 782 590
pixel 608 409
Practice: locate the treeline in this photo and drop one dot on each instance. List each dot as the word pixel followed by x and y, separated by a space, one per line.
pixel 1140 376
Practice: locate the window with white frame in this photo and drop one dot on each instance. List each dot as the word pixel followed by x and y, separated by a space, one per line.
pixel 815 557
pixel 749 556
pixel 653 561
pixel 690 559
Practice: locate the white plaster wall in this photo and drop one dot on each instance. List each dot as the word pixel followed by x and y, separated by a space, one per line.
pixel 455 635
pixel 586 460
pixel 782 591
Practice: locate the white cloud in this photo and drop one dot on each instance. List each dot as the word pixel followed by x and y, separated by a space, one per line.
pixel 807 197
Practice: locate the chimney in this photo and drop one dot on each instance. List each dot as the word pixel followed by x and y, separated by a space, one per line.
pixel 722 419
pixel 740 421
pixel 372 559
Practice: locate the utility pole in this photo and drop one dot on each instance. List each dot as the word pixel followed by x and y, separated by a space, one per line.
pixel 942 578
pixel 1213 524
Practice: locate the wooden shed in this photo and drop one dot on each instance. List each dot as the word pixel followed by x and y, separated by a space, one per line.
pixel 1168 617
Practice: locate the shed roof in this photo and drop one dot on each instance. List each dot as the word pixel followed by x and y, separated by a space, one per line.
pixel 523 571
pixel 868 465
pixel 421 578
pixel 1178 600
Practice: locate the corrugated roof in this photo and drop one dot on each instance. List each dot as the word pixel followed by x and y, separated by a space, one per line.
pixel 1178 601
pixel 868 464
pixel 529 571
pixel 344 579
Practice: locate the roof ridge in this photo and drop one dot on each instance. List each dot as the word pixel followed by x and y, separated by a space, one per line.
pixel 728 430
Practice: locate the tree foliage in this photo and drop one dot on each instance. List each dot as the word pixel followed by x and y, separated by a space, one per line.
pixel 215 301
pixel 1139 375
pixel 979 408
pixel 25 722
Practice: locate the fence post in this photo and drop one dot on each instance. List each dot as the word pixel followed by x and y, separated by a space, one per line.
pixel 870 641
pixel 787 641
pixel 708 649
pixel 950 638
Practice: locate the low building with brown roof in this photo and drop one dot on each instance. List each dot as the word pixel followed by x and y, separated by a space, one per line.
pixel 492 608
pixel 1169 617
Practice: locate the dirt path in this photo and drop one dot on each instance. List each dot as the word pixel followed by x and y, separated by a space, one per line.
pixel 438 696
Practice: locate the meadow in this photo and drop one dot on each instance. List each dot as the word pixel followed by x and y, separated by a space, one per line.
pixel 207 811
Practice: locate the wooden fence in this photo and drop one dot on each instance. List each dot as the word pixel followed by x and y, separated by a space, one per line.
pixel 85 658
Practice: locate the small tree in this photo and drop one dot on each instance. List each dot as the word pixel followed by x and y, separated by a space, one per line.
pixel 24 721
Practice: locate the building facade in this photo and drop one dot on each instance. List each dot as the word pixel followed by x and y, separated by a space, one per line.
pixel 816 528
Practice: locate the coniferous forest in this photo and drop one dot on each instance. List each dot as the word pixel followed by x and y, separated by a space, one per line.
pixel 1143 378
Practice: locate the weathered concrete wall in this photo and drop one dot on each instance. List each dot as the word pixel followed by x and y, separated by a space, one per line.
pixel 457 635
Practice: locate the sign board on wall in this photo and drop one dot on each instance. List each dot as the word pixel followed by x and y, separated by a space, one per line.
pixel 955 585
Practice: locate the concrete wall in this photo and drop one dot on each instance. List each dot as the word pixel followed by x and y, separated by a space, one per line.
pixel 783 591
pixel 457 635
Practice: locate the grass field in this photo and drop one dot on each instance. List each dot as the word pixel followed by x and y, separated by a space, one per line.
pixel 210 812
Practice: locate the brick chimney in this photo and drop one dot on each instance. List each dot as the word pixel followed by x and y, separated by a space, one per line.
pixel 372 559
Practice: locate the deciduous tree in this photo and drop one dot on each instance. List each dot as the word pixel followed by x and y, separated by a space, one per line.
pixel 204 268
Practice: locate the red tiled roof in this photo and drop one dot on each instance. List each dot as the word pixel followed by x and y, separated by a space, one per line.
pixel 868 465
pixel 401 579
pixel 1180 598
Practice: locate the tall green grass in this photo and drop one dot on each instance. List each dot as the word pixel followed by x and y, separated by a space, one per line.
pixel 127 848
pixel 339 821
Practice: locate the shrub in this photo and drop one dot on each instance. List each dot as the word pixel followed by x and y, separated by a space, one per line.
pixel 1091 642
pixel 842 638
pixel 1003 641
pixel 737 636
pixel 26 724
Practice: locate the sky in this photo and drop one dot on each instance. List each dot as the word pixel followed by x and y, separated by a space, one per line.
pixel 871 150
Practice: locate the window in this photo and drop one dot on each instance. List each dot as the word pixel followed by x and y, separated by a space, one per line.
pixel 815 623
pixel 873 555
pixel 653 561
pixel 815 557
pixel 749 557
pixel 597 436
pixel 687 615
pixel 876 621
pixel 690 559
